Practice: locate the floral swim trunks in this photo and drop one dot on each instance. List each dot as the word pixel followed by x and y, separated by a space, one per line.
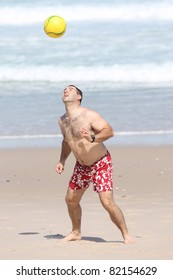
pixel 100 174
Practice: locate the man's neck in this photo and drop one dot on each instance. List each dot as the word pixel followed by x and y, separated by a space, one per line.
pixel 72 109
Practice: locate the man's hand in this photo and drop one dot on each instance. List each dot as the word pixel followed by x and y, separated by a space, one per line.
pixel 59 168
pixel 86 134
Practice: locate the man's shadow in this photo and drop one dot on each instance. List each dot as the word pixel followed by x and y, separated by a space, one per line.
pixel 60 236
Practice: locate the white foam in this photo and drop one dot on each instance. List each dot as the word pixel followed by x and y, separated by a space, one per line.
pixel 151 132
pixel 144 73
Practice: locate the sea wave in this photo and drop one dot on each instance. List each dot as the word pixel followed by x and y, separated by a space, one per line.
pixel 145 73
pixel 26 15
pixel 118 133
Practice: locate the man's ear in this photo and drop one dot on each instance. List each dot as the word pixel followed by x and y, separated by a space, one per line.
pixel 79 98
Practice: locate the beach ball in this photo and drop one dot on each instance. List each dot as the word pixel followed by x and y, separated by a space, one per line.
pixel 55 26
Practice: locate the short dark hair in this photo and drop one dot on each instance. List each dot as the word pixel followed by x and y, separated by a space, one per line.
pixel 78 92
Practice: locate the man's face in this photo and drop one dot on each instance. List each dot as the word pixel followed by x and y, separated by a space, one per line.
pixel 70 94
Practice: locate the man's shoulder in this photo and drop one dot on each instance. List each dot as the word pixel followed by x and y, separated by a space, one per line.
pixel 62 117
pixel 88 111
pixel 91 114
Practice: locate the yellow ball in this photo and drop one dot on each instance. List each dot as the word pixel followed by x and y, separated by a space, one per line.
pixel 55 26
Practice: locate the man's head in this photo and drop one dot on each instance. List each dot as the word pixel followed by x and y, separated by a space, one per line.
pixel 71 92
pixel 79 92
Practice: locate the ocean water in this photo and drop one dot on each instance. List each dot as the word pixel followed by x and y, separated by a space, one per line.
pixel 120 53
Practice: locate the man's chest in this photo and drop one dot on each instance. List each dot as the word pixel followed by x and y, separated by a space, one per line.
pixel 71 128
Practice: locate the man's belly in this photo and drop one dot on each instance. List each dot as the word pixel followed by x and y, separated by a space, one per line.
pixel 89 153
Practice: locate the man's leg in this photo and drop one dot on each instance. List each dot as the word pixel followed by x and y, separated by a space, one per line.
pixel 72 199
pixel 116 214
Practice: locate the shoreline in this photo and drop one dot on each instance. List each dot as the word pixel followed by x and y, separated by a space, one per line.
pixel 34 216
pixel 132 139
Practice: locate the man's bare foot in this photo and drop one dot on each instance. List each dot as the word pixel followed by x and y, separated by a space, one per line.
pixel 72 236
pixel 128 240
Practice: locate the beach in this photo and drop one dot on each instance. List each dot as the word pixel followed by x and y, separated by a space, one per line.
pixel 34 218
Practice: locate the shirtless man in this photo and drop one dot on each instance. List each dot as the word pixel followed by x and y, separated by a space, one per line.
pixel 83 134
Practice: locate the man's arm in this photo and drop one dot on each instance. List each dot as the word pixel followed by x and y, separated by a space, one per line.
pixel 102 129
pixel 65 152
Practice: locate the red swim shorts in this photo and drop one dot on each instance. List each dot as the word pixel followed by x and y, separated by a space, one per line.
pixel 100 174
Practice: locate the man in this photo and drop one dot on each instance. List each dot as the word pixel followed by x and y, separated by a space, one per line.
pixel 83 134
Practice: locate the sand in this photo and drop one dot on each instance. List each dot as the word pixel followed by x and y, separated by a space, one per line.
pixel 34 218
